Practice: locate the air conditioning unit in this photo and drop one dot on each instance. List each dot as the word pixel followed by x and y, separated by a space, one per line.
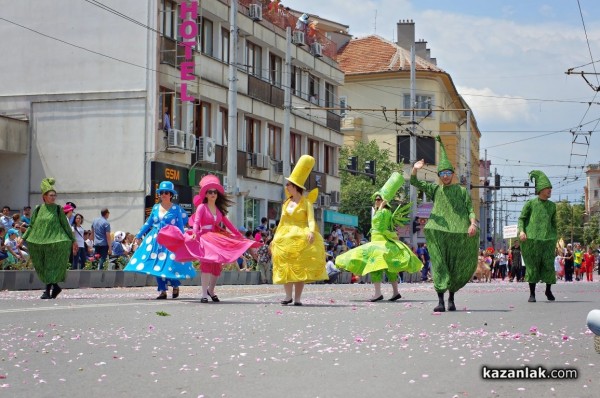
pixel 190 142
pixel 324 200
pixel 278 167
pixel 317 49
pixel 176 140
pixel 335 197
pixel 206 149
pixel 298 38
pixel 259 161
pixel 255 12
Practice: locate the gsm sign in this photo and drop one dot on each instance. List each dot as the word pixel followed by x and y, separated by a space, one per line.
pixel 171 174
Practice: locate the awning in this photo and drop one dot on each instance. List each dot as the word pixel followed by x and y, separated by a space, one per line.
pixel 334 217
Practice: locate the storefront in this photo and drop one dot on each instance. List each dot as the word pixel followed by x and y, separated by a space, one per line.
pixel 178 176
pixel 347 222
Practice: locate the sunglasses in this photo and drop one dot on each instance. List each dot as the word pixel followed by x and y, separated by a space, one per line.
pixel 165 193
pixel 445 173
pixel 211 192
pixel 377 199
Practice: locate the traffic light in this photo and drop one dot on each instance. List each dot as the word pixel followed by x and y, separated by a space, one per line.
pixel 352 165
pixel 416 225
pixel 370 169
pixel 497 181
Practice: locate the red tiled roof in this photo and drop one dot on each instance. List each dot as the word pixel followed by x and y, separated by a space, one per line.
pixel 372 54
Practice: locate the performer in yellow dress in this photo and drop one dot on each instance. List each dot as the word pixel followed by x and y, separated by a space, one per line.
pixel 298 251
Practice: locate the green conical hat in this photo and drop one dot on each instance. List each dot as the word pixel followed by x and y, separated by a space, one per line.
pixel 47 185
pixel 541 180
pixel 389 189
pixel 444 163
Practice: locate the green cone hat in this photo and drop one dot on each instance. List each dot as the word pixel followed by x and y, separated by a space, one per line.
pixel 541 180
pixel 389 189
pixel 444 163
pixel 47 185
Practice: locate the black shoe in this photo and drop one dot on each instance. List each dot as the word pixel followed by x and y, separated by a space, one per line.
pixel 162 296
pixel 396 297
pixel 56 291
pixel 549 295
pixel 531 299
pixel 286 302
pixel 214 297
pixel 376 299
pixel 45 296
pixel 440 308
pixel 451 306
pixel 204 300
pixel 297 303
pixel 175 292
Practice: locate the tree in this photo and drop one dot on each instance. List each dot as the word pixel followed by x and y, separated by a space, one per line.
pixel 356 190
pixel 569 220
pixel 591 231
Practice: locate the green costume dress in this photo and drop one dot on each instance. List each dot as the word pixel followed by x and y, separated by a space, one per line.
pixel 452 251
pixel 538 221
pixel 384 253
pixel 49 240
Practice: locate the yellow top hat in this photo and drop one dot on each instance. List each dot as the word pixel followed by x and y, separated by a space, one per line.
pixel 301 171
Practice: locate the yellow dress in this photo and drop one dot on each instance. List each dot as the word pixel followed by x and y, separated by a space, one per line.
pixel 294 259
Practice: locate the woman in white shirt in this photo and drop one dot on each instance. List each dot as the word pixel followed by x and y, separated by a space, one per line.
pixel 78 232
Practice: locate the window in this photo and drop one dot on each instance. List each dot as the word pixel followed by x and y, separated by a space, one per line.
pixel 295 147
pixel 421 102
pixel 203 118
pixel 165 104
pixel 222 125
pixel 595 194
pixel 274 142
pixel 251 213
pixel 313 86
pixel 293 87
pixel 343 105
pixel 253 59
pixel 275 68
pixel 207 37
pixel 425 149
pixel 329 95
pixel 313 150
pixel 252 135
pixel 330 164
pixel 170 18
pixel 225 45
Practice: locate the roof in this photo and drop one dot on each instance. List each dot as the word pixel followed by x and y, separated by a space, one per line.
pixel 373 54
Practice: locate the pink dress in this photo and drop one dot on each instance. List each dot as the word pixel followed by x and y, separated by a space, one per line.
pixel 213 246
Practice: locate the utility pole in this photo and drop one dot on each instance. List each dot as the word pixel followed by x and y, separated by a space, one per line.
pixel 287 105
pixel 232 126
pixel 413 139
pixel 495 213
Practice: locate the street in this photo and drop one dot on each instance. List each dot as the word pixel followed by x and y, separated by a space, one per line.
pixel 121 342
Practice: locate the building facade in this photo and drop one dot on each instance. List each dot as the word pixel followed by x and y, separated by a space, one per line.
pixel 102 100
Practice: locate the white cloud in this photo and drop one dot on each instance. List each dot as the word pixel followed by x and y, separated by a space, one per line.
pixel 491 107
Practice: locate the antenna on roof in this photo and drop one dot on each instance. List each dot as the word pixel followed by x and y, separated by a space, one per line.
pixel 375 23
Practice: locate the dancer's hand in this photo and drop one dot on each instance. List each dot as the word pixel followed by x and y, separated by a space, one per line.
pixel 419 164
pixel 523 236
pixel 310 237
pixel 472 230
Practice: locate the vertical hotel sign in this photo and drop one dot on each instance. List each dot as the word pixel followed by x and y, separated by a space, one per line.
pixel 188 30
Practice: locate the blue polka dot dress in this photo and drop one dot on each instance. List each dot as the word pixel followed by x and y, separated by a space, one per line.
pixel 151 258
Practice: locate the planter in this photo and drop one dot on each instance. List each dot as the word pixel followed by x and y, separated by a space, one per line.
pixel 97 278
pixel 228 277
pixel 253 278
pixel 2 280
pixel 151 280
pixel 24 280
pixel 130 279
pixel 195 281
pixel 72 280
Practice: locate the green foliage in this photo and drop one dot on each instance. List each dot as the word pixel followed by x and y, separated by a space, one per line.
pixel 356 190
pixel 569 221
pixel 162 313
pixel 591 231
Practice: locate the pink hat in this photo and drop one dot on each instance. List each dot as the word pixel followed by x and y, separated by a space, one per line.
pixel 68 208
pixel 208 182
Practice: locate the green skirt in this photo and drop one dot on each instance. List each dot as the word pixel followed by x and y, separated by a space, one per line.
pixel 51 260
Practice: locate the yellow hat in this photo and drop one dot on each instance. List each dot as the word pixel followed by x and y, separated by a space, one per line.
pixel 301 171
pixel 47 185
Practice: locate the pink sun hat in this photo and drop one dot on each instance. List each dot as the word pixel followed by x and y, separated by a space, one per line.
pixel 208 182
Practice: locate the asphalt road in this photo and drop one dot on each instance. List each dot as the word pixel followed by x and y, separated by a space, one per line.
pixel 123 343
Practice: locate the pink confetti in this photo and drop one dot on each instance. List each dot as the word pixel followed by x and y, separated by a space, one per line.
pixel 358 339
pixel 565 337
pixel 533 330
pixel 279 312
pixel 150 327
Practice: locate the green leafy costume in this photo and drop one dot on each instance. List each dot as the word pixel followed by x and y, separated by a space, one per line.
pixel 538 221
pixel 452 251
pixel 49 240
pixel 385 253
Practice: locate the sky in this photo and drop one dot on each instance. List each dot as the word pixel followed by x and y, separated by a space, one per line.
pixel 508 60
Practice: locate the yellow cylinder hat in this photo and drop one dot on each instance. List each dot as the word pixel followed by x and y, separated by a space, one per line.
pixel 302 171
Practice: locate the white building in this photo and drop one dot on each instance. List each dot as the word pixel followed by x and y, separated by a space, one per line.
pixel 84 90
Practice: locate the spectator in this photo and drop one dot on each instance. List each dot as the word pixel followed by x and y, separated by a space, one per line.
pixel 332 271
pixel 166 121
pixel 101 236
pixel 69 210
pixel 89 243
pixel 263 227
pixel 264 260
pixel 26 216
pixel 3 252
pixel 128 244
pixel 6 219
pixel 12 245
pixel 79 233
pixel 72 217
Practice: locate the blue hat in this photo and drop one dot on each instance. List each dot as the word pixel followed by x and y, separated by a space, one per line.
pixel 12 231
pixel 166 186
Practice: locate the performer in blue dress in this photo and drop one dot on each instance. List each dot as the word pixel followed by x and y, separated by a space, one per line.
pixel 151 258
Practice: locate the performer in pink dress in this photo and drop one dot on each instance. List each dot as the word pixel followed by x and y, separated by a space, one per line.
pixel 208 242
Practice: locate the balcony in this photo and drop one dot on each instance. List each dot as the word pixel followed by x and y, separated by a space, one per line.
pixel 265 91
pixel 173 54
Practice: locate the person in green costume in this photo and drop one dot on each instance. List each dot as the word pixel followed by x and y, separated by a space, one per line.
pixel 49 239
pixel 537 232
pixel 450 231
pixel 385 253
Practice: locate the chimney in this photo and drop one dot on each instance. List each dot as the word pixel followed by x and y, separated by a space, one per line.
pixel 421 49
pixel 406 33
